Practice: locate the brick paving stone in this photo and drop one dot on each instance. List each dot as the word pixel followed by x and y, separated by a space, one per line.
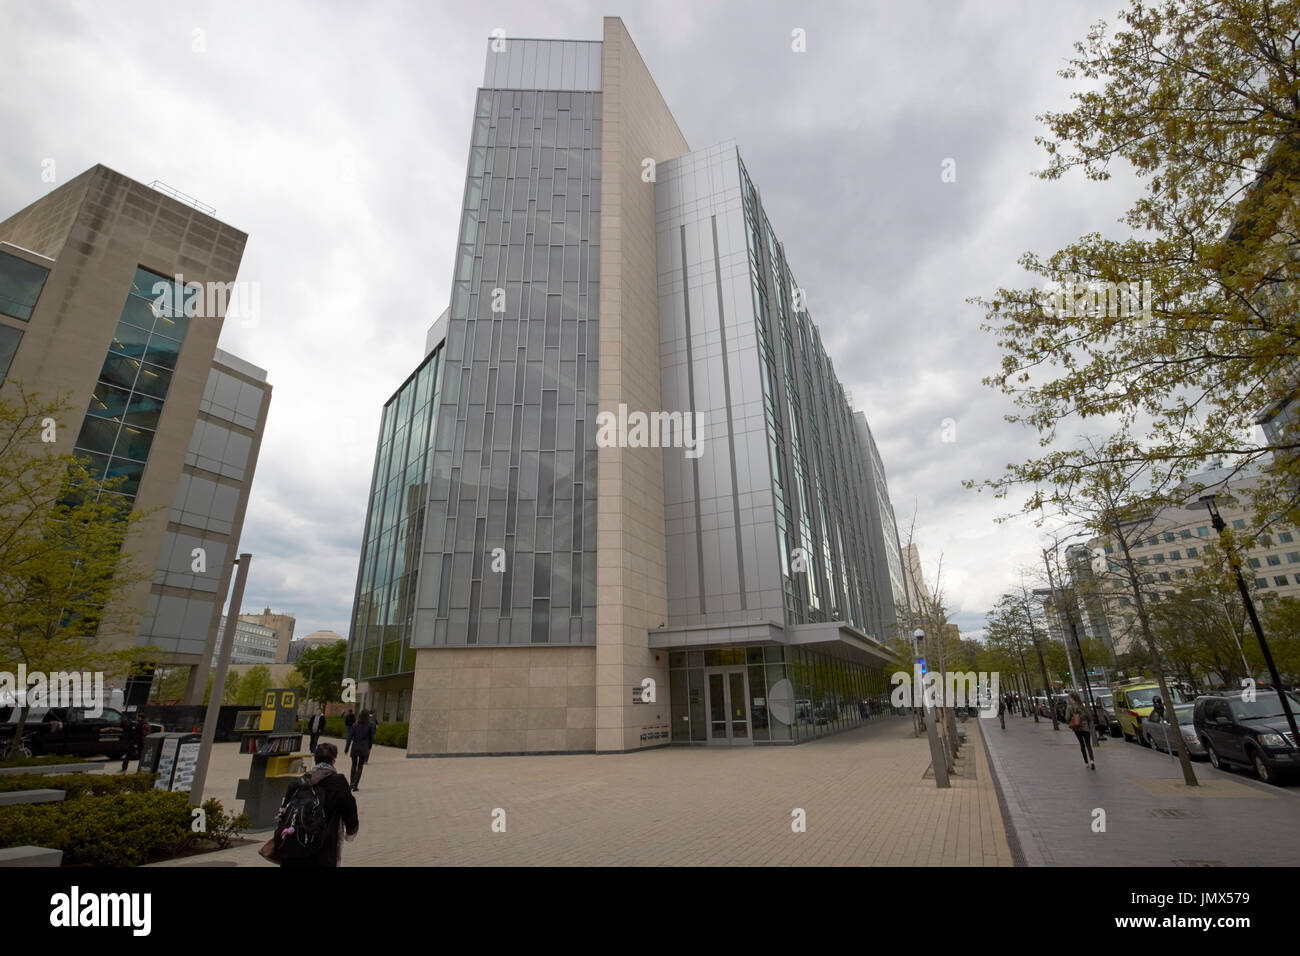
pixel 866 799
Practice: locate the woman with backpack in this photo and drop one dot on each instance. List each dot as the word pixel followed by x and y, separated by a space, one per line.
pixel 317 814
pixel 1080 721
pixel 361 737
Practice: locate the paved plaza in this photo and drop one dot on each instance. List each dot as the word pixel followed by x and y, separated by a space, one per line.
pixel 1152 818
pixel 864 792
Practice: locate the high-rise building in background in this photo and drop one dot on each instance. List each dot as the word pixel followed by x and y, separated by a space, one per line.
pixel 918 592
pixel 282 624
pixel 112 296
pixel 623 501
pixel 252 644
pixel 1169 546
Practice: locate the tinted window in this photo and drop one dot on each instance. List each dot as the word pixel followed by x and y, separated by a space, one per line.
pixel 20 286
pixel 9 339
pixel 1266 704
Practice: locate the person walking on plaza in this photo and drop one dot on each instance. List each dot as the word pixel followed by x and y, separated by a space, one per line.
pixel 1080 721
pixel 1002 712
pixel 316 727
pixel 135 748
pixel 349 719
pixel 361 737
pixel 339 809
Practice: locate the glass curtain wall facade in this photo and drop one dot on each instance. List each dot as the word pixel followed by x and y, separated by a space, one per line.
pixel 128 399
pixel 514 459
pixel 379 645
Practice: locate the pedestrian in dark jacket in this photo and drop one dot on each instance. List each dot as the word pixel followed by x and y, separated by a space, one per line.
pixel 361 737
pixel 1080 721
pixel 135 748
pixel 316 727
pixel 339 805
pixel 1002 712
pixel 349 719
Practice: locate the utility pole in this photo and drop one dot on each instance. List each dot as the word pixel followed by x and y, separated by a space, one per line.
pixel 219 681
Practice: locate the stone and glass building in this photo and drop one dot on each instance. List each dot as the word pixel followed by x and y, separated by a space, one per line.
pixel 648 512
pixel 112 298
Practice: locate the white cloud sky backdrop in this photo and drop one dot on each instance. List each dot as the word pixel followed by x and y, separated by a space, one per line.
pixel 336 135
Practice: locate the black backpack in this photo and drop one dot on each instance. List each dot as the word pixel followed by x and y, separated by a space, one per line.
pixel 302 827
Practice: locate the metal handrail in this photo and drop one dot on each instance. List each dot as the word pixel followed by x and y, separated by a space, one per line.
pixel 175 193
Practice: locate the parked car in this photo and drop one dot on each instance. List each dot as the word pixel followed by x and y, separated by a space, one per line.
pixel 1250 733
pixel 1133 702
pixel 69 730
pixel 1158 731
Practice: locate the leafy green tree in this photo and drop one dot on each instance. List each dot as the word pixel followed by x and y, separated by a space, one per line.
pixel 169 685
pixel 63 570
pixel 1281 622
pixel 253 685
pixel 1202 101
pixel 323 667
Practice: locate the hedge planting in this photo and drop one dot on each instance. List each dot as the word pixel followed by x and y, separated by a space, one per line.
pixel 389 735
pixel 77 785
pixel 129 828
pixel 123 829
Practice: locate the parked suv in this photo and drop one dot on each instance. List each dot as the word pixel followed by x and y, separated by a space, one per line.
pixel 1252 733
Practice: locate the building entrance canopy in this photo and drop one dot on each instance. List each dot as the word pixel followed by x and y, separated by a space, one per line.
pixel 832 638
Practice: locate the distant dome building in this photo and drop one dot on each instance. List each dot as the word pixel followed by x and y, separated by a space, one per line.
pixel 314 639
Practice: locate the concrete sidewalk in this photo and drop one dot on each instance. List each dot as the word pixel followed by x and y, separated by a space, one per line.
pixel 864 794
pixel 1151 817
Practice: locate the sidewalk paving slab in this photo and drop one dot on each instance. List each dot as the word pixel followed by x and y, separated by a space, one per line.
pixel 863 791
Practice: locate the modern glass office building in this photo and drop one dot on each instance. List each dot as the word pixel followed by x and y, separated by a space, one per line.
pixel 584 582
pixel 379 648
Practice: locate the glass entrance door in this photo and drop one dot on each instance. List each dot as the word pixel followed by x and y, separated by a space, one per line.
pixel 728 706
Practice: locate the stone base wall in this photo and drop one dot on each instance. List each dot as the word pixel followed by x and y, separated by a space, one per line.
pixel 503 700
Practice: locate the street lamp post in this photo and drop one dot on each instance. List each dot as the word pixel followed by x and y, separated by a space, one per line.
pixel 1222 528
pixel 219 681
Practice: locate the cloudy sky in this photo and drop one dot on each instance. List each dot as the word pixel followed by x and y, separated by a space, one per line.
pixel 336 135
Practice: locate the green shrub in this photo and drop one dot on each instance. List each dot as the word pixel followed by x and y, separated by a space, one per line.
pixel 392 735
pixel 76 785
pixel 123 829
pixel 16 761
pixel 222 828
pixel 389 735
